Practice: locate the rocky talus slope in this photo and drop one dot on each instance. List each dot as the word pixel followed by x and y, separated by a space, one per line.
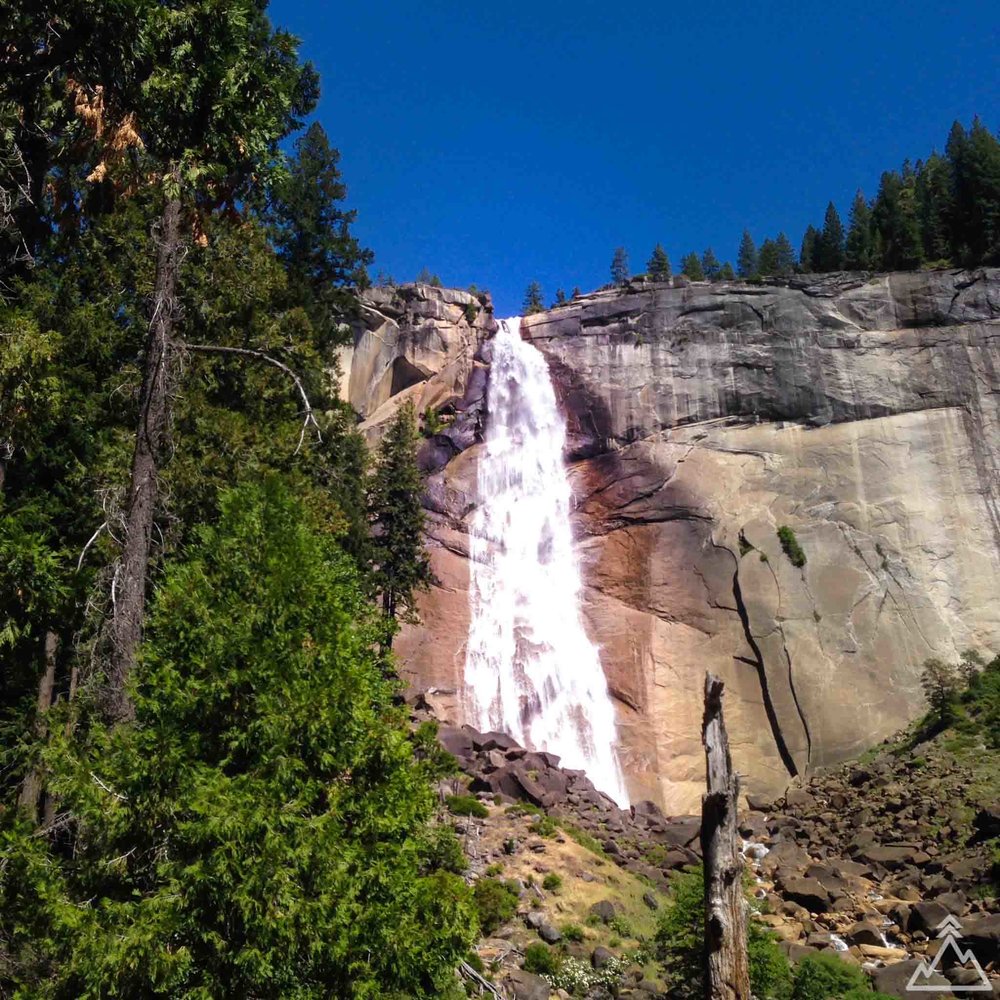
pixel 862 862
pixel 860 411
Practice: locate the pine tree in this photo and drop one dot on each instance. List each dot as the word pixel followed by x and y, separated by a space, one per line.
pixel 311 233
pixel 560 297
pixel 619 266
pixel 658 265
pixel 894 220
pixel 784 255
pixel 710 264
pixel 767 258
pixel 977 195
pixel 858 253
pixel 746 260
pixel 401 567
pixel 533 300
pixel 726 272
pixel 691 267
pixel 935 208
pixel 265 828
pixel 829 252
pixel 807 251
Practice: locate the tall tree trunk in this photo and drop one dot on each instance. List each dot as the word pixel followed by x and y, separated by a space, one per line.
pixel 129 586
pixel 31 789
pixel 727 968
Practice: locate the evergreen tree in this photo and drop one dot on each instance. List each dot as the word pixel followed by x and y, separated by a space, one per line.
pixel 935 208
pixel 710 264
pixel 691 267
pixel 894 220
pixel 767 258
pixel 658 265
pixel 858 254
pixel 619 266
pixel 784 255
pixel 325 262
pixel 533 301
pixel 746 260
pixel 976 166
pixel 807 251
pixel 829 252
pixel 560 297
pixel 576 292
pixel 726 272
pixel 401 567
pixel 264 827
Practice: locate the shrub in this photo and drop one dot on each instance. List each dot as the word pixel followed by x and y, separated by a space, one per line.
pixel 540 959
pixel 442 851
pixel 495 903
pixel 770 973
pixel 494 869
pixel 552 881
pixel 572 932
pixel 578 977
pixel 470 313
pixel 466 805
pixel 942 686
pixel 791 547
pixel 622 927
pixel 543 826
pixel 821 976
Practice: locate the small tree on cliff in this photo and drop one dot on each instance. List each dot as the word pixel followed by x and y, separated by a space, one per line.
pixel 400 564
pixel 746 260
pixel 533 301
pixel 619 266
pixel 658 265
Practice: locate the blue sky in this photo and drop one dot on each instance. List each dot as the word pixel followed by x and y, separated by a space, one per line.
pixel 504 142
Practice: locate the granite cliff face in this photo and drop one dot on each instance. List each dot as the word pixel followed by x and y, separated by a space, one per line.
pixel 862 412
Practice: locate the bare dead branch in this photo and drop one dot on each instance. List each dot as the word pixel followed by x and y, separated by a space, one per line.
pixel 309 417
pixel 93 538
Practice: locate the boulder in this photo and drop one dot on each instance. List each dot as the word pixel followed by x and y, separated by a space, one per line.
pixel 807 892
pixel 604 910
pixel 548 933
pixel 600 957
pixel 925 916
pixel 865 932
pixel 527 986
pixel 893 980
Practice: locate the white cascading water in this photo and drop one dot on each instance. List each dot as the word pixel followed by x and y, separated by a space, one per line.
pixel 530 669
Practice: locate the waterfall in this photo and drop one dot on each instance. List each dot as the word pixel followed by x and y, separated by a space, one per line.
pixel 530 669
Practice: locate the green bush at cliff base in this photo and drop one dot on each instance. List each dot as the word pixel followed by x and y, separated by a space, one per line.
pixel 680 940
pixel 791 547
pixel 540 959
pixel 466 805
pixel 495 902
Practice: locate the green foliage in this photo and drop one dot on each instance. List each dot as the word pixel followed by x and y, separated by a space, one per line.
pixel 942 684
pixel 442 851
pixel 746 262
pixel 829 251
pixel 621 926
pixel 823 976
pixel 259 829
pixel 401 567
pixel 466 805
pixel 770 974
pixel 807 251
pixel 658 266
pixel 471 312
pixel 533 299
pixel 619 266
pixel 540 959
pixel 790 546
pixel 680 940
pixel 495 902
pixel 543 826
pixel 572 932
pixel 691 267
pixel 431 422
pixel 578 978
pixel 859 249
pixel 710 265
pixel 552 881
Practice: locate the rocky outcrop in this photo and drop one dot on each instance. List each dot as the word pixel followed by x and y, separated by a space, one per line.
pixel 860 412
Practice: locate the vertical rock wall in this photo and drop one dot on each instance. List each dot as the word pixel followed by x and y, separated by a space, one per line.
pixel 861 412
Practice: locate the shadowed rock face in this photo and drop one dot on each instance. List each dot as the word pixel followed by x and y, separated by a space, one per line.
pixel 861 412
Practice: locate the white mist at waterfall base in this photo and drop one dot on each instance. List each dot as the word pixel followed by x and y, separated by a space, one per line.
pixel 530 669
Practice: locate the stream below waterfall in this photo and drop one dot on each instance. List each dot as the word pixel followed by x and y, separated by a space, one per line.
pixel 531 671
